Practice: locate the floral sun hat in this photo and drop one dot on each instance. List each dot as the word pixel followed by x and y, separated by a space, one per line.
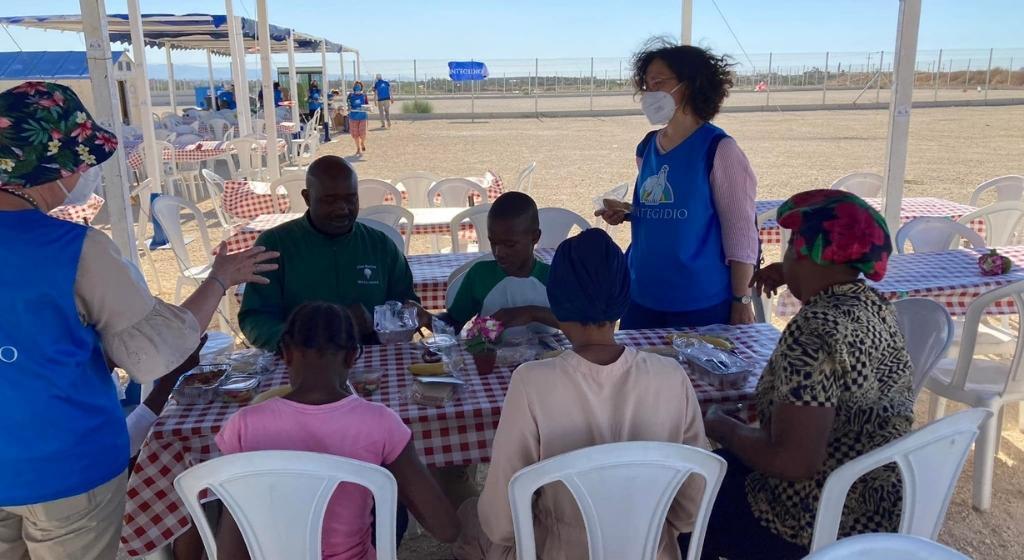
pixel 46 133
pixel 833 227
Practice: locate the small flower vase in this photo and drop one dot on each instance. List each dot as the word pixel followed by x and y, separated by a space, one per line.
pixel 485 361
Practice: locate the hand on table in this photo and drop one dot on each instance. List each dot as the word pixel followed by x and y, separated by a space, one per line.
pixel 516 316
pixel 768 280
pixel 163 386
pixel 719 422
pixel 244 266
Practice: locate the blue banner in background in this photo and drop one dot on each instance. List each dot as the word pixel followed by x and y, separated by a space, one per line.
pixel 467 71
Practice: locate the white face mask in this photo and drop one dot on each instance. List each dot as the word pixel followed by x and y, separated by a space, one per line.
pixel 87 184
pixel 658 106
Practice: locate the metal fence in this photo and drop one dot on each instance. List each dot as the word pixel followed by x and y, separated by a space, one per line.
pixel 602 85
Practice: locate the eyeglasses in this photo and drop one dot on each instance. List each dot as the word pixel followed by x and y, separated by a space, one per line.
pixel 658 84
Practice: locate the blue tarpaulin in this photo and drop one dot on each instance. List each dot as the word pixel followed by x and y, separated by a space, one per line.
pixel 43 65
pixel 467 71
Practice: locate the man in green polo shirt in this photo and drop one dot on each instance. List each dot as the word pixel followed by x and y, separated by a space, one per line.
pixel 510 288
pixel 326 256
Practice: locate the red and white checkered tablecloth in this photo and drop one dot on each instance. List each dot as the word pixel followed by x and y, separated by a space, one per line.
pixel 951 278
pixel 911 208
pixel 80 213
pixel 457 434
pixel 251 199
pixel 287 128
pixel 200 151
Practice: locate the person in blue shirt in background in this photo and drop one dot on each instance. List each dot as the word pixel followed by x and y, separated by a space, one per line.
pixel 278 95
pixel 314 100
pixel 357 116
pixel 226 98
pixel 382 91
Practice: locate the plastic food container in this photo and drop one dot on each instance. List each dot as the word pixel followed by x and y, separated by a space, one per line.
pixel 434 391
pixel 395 337
pixel 365 381
pixel 251 361
pixel 715 367
pixel 239 389
pixel 200 385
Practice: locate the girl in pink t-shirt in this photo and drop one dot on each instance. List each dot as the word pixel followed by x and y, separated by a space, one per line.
pixel 320 346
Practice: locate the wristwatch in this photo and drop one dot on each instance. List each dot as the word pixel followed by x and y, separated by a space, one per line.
pixel 745 300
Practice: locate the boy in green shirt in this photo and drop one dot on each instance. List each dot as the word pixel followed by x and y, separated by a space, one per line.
pixel 510 288
pixel 326 256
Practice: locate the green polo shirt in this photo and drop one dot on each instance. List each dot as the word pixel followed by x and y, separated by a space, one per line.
pixel 362 267
pixel 486 289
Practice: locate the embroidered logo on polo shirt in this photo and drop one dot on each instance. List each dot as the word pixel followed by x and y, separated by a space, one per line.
pixel 368 273
pixel 656 189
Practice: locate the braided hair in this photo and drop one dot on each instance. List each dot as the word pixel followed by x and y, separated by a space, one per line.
pixel 324 328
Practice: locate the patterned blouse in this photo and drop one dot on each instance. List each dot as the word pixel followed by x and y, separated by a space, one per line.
pixel 843 350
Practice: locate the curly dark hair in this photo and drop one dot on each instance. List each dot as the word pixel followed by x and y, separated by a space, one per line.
pixel 324 328
pixel 706 77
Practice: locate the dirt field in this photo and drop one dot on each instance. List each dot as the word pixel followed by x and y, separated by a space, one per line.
pixel 951 151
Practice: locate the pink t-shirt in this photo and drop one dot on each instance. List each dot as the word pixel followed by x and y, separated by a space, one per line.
pixel 351 428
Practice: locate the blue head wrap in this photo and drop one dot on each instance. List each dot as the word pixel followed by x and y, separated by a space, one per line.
pixel 589 279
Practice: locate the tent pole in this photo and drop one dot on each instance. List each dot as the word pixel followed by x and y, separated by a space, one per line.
pixel 170 79
pixel 269 110
pixel 141 86
pixel 213 87
pixel 341 63
pixel 292 78
pixel 237 45
pixel 686 37
pixel 326 119
pixel 899 109
pixel 101 74
pixel 359 65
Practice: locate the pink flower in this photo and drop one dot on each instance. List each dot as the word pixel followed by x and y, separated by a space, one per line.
pixel 108 141
pixel 58 98
pixel 5 122
pixel 82 131
pixel 55 134
pixel 30 88
pixel 48 102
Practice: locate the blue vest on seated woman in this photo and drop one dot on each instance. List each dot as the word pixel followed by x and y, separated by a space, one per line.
pixel 676 259
pixel 63 429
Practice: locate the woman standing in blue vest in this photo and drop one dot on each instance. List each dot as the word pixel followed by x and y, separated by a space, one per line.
pixel 695 242
pixel 73 309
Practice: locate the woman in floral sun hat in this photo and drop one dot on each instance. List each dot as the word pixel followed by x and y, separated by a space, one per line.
pixel 74 310
pixel 838 385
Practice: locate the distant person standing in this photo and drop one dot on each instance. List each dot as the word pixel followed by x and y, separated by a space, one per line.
pixel 382 91
pixel 226 98
pixel 315 103
pixel 357 116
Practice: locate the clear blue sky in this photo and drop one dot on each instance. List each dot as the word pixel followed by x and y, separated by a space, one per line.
pixel 491 29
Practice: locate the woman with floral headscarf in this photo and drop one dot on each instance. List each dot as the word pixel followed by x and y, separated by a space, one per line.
pixel 74 309
pixel 837 386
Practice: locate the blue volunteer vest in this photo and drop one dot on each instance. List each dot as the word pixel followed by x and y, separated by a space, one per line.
pixel 63 432
pixel 676 259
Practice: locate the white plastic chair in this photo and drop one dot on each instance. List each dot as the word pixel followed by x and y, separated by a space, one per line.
pixel 309 142
pixel 278 500
pixel 929 460
pixel 215 183
pixel 864 185
pixel 231 134
pixel 393 216
pixel 477 215
pixel 185 174
pixel 524 181
pixel 1009 188
pixel 1002 222
pixel 391 232
pixel 250 159
pixel 982 383
pixel 294 183
pixel 928 331
pixel 143 191
pixel 624 491
pixel 373 192
pixel 458 275
pixel 218 127
pixel 555 225
pixel 932 233
pixel 259 127
pixel 416 185
pixel 455 192
pixel 886 546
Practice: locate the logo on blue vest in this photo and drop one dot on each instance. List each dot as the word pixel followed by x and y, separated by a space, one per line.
pixel 656 189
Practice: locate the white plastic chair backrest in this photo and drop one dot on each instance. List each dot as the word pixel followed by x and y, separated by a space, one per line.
pixel 393 216
pixel 168 156
pixel 458 275
pixel 161 134
pixel 259 126
pixel 216 184
pixel 929 460
pixel 1009 188
pixel 624 491
pixel 249 157
pixel 929 234
pixel 230 134
pixel 524 181
pixel 477 215
pixel 928 331
pixel 864 185
pixel 454 192
pixel 391 232
pixel 167 211
pixel 294 183
pixel 183 140
pixel 416 186
pixel 555 225
pixel 888 546
pixel 1002 222
pixel 969 337
pixel 278 500
pixel 143 191
pixel 218 127
pixel 372 192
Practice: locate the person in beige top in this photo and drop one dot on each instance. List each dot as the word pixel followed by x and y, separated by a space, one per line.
pixel 75 308
pixel 598 392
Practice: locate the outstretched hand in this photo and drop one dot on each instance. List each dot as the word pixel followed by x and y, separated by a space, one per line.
pixel 244 266
pixel 768 280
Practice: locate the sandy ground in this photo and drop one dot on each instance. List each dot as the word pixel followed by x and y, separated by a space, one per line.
pixel 951 151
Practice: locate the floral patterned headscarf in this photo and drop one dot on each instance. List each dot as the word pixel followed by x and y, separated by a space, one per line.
pixel 833 227
pixel 46 133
